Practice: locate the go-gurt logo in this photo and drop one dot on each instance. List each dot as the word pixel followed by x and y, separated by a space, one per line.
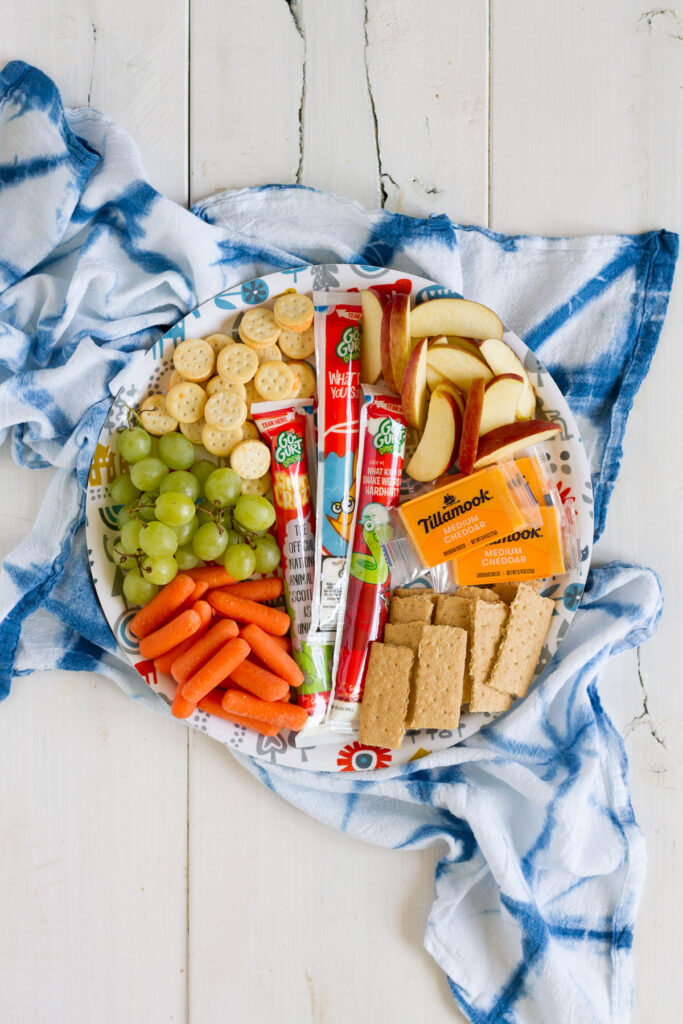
pixel 288 449
pixel 389 436
pixel 349 345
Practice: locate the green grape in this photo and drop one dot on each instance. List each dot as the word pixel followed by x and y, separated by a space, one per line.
pixel 146 503
pixel 224 485
pixel 160 570
pixel 130 537
pixel 154 453
pixel 122 489
pixel 182 483
pixel 176 450
pixel 158 540
pixel 234 537
pixel 148 473
pixel 254 513
pixel 124 516
pixel 174 509
pixel 267 554
pixel 240 561
pixel 134 444
pixel 186 558
pixel 186 531
pixel 202 469
pixel 203 515
pixel 124 561
pixel 209 542
pixel 137 590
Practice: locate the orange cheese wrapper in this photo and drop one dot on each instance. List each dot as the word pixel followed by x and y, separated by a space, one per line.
pixel 466 513
pixel 531 553
pixel 531 469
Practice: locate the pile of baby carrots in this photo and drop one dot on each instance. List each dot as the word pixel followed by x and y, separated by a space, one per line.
pixel 225 648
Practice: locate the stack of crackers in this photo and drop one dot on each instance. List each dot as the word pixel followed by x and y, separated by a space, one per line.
pixel 479 646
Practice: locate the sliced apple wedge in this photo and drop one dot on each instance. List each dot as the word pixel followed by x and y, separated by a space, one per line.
pixel 371 337
pixel 434 378
pixel 454 316
pixel 434 453
pixel 400 341
pixel 470 345
pixel 458 366
pixel 440 339
pixel 500 401
pixel 469 440
pixel 502 359
pixel 385 347
pixel 414 392
pixel 454 390
pixel 504 442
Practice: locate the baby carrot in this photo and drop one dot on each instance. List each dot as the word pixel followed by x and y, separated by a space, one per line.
pixel 223 663
pixel 283 642
pixel 291 716
pixel 187 663
pixel 164 661
pixel 170 635
pixel 200 588
pixel 214 575
pixel 204 611
pixel 259 681
pixel 181 708
pixel 272 620
pixel 256 590
pixel 162 606
pixel 212 704
pixel 270 654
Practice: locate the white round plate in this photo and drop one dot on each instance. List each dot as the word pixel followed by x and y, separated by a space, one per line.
pixel 568 465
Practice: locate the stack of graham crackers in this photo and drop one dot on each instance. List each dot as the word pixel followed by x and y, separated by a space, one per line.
pixel 479 646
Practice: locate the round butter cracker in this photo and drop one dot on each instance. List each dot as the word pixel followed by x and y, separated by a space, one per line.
pixel 252 395
pixel 225 410
pixel 193 431
pixel 293 312
pixel 306 379
pixel 250 431
pixel 268 353
pixel 194 359
pixel 220 442
pixel 218 384
pixel 155 418
pixel 258 325
pixel 297 345
pixel 186 402
pixel 260 486
pixel 274 380
pixel 251 459
pixel 237 363
pixel 218 342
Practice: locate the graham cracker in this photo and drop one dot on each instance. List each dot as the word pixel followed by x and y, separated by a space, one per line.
pixel 452 610
pixel 436 694
pixel 485 698
pixel 404 634
pixel 413 591
pixel 487 623
pixel 508 591
pixel 411 609
pixel 478 594
pixel 386 694
pixel 521 645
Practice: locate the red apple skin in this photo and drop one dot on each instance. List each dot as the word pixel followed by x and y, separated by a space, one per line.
pixel 456 419
pixel 385 347
pixel 521 433
pixel 383 298
pixel 469 440
pixel 458 412
pixel 410 399
pixel 504 376
pixel 400 342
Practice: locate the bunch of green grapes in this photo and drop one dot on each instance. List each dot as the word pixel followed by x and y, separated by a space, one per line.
pixel 178 512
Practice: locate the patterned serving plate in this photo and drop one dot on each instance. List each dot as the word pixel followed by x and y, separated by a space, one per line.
pixel 568 466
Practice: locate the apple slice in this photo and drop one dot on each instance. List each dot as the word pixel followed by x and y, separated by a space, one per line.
pixel 504 442
pixel 371 334
pixel 434 453
pixel 414 393
pixel 385 348
pixel 500 401
pixel 454 316
pixel 454 390
pixel 440 339
pixel 458 366
pixel 399 337
pixel 470 345
pixel 470 426
pixel 502 359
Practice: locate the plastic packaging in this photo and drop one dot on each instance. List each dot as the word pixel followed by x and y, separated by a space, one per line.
pixel 337 344
pixel 367 579
pixel 286 426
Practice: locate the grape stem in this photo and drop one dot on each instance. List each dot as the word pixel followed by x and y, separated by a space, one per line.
pixel 123 556
pixel 133 417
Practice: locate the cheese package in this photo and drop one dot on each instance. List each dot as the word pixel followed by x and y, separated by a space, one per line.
pixel 467 512
pixel 531 553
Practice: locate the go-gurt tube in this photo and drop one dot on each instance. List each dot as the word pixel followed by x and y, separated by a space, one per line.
pixel 337 349
pixel 366 600
pixel 285 426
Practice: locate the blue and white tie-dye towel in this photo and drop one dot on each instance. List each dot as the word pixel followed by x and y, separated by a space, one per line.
pixel 543 863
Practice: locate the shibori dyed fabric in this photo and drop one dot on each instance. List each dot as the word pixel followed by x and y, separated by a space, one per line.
pixel 543 862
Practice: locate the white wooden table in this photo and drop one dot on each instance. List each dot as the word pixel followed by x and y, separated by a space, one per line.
pixel 144 877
